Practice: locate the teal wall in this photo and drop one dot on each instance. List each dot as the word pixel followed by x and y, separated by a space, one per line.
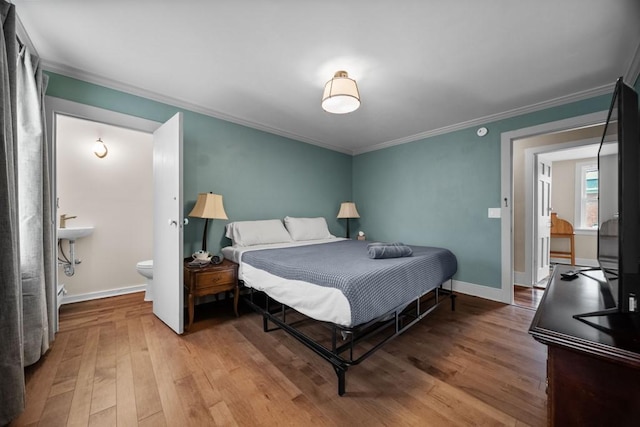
pixel 436 191
pixel 260 175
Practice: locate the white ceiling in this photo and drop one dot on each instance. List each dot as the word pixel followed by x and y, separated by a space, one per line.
pixel 422 67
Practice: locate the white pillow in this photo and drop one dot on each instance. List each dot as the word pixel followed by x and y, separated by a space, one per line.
pixel 307 228
pixel 249 233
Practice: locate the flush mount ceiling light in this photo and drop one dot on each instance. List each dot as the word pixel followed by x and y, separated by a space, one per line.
pixel 99 149
pixel 341 94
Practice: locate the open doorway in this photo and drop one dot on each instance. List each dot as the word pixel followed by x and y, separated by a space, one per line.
pixel 112 194
pixel 168 207
pixel 549 177
pixel 512 164
pixel 74 111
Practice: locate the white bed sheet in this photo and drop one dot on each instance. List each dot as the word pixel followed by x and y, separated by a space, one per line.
pixel 318 302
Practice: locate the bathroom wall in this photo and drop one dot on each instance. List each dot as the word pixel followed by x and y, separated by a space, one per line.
pixel 113 194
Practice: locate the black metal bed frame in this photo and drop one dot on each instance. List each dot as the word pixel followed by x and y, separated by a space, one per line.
pixel 343 356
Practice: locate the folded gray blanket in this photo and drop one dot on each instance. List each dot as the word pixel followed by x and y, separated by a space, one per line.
pixel 385 244
pixel 388 251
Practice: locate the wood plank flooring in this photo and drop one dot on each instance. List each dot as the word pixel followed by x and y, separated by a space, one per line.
pixel 526 296
pixel 114 363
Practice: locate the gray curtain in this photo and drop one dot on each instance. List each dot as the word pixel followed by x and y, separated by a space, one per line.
pixel 36 233
pixel 27 280
pixel 11 358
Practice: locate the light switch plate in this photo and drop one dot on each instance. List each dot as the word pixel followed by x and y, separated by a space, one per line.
pixel 494 212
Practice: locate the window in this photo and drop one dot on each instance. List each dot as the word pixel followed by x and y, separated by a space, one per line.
pixel 587 195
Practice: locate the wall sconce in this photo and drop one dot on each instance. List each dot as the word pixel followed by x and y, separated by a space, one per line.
pixel 208 206
pixel 99 149
pixel 348 210
pixel 341 94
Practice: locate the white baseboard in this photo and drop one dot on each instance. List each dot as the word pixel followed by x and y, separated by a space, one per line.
pixel 68 299
pixel 494 294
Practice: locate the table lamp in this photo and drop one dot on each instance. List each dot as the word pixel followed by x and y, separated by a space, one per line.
pixel 348 210
pixel 208 206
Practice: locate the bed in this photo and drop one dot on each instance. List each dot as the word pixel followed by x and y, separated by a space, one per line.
pixel 290 277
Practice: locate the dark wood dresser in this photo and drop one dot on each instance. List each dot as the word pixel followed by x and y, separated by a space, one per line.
pixel 593 369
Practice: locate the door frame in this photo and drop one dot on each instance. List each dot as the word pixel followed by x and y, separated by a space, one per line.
pixel 57 106
pixel 506 184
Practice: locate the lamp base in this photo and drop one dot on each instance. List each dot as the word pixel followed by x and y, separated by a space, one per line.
pixel 204 235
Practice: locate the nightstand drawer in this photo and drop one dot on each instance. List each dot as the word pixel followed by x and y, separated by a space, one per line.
pixel 214 278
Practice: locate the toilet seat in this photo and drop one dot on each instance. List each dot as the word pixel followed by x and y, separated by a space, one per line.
pixel 145 265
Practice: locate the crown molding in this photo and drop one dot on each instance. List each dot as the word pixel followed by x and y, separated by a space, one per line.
pixel 88 77
pixel 633 69
pixel 579 96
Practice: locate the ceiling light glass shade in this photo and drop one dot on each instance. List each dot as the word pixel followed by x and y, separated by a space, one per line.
pixel 99 149
pixel 341 94
pixel 348 210
pixel 209 205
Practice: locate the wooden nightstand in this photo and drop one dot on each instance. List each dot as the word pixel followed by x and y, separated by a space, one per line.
pixel 210 280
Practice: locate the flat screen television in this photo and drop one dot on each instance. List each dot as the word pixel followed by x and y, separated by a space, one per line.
pixel 619 204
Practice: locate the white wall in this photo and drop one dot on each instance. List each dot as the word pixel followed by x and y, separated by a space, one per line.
pixel 113 194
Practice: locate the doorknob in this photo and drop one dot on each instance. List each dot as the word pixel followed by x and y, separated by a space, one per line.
pixel 185 221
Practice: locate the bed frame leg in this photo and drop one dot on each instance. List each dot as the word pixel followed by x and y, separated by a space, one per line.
pixel 453 302
pixel 340 372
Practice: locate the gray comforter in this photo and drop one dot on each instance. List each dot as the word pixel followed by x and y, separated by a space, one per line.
pixel 373 287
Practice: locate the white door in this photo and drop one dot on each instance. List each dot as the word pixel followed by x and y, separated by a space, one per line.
pixel 542 226
pixel 168 297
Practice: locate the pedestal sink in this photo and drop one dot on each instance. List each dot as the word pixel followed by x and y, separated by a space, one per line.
pixel 74 233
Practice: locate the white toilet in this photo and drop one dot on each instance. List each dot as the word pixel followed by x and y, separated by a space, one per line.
pixel 145 268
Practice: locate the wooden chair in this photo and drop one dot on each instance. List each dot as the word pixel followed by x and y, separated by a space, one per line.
pixel 564 230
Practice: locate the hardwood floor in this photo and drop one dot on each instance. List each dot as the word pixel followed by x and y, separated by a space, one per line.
pixel 114 363
pixel 528 297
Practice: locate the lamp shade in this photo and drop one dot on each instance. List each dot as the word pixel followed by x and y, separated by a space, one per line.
pixel 348 210
pixel 209 205
pixel 340 94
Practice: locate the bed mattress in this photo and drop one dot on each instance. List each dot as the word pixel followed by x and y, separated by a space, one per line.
pixel 336 281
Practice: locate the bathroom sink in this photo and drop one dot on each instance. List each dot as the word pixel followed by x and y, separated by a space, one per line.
pixel 73 233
